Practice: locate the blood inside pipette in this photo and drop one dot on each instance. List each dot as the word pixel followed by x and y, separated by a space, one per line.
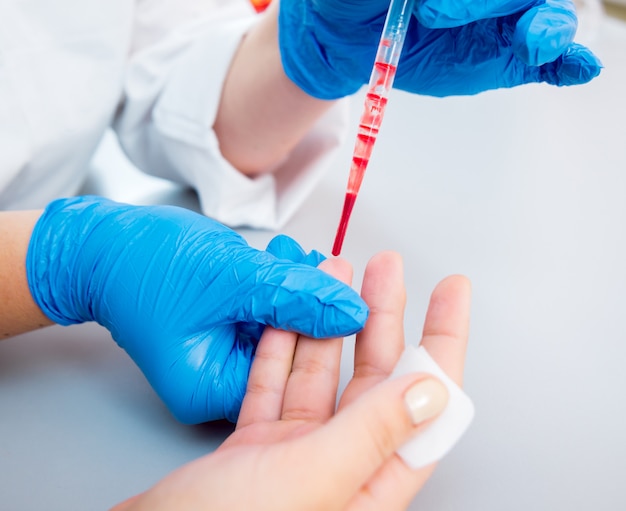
pixel 357 170
pixel 348 204
pixel 373 112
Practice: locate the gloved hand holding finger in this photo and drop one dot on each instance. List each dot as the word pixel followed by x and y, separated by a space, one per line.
pixel 179 292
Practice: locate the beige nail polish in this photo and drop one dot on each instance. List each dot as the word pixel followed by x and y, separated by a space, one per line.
pixel 426 399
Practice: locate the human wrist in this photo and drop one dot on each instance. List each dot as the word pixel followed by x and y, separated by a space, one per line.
pixel 19 312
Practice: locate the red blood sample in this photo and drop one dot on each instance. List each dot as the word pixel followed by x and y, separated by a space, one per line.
pixel 373 112
pixel 348 204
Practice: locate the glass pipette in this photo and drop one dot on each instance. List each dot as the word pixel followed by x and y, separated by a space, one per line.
pixel 381 82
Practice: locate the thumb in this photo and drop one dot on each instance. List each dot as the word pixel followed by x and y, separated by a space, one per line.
pixel 367 433
pixel 300 298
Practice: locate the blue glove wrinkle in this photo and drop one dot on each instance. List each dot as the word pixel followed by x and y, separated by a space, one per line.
pixel 455 13
pixel 305 289
pixel 544 32
pixel 313 258
pixel 577 65
pixel 284 247
pixel 477 48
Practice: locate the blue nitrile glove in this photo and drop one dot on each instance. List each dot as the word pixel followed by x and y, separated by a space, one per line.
pixel 181 293
pixel 453 47
pixel 285 247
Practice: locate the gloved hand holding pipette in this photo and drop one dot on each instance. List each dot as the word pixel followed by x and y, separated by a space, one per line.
pixel 453 47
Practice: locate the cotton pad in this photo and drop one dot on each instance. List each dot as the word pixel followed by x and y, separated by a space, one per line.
pixel 434 442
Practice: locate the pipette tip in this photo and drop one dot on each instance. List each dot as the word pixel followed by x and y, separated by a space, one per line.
pixel 348 204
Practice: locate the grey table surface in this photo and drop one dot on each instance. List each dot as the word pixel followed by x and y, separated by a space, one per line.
pixel 521 190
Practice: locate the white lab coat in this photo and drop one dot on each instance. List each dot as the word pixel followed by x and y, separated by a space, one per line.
pixel 152 70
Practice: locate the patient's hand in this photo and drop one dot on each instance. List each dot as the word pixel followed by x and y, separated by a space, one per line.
pixel 291 449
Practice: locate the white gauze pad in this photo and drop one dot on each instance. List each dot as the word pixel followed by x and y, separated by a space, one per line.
pixel 434 442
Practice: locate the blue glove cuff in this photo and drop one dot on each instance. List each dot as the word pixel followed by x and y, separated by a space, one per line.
pixel 53 259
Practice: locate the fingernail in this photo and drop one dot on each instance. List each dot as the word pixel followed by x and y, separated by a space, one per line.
pixel 426 399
